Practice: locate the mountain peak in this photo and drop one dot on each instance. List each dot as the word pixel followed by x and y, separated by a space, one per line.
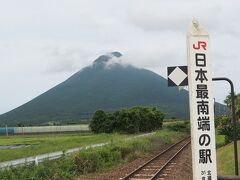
pixel 116 54
pixel 107 84
pixel 106 57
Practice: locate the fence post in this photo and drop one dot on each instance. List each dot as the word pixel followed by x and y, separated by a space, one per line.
pixel 36 161
pixel 6 128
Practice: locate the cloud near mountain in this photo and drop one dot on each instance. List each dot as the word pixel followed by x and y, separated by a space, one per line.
pixel 107 84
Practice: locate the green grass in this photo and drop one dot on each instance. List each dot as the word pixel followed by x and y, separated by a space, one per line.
pixel 41 144
pixel 166 122
pixel 170 137
pixel 94 160
pixel 225 159
pixel 220 141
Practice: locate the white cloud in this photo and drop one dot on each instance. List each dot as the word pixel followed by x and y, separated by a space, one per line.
pixel 44 42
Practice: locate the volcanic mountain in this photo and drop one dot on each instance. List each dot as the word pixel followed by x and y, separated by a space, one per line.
pixel 106 84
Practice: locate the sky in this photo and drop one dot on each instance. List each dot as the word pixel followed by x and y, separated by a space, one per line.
pixel 44 42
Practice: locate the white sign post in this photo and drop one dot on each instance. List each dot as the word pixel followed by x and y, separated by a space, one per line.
pixel 201 104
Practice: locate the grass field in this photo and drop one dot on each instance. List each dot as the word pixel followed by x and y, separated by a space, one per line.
pixel 121 150
pixel 225 159
pixel 49 143
pixel 46 143
pixel 41 144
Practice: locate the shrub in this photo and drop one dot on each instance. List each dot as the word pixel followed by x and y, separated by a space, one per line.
pixel 133 120
pixel 86 162
pixel 58 169
pixel 179 126
pixel 98 123
pixel 92 160
pixel 225 127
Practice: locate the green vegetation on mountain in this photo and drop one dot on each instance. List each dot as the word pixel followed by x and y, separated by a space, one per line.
pixel 106 84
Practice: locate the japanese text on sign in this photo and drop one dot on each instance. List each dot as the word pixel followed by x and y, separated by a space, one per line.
pixel 201 107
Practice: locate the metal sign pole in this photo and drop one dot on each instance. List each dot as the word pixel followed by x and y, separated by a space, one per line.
pixel 234 122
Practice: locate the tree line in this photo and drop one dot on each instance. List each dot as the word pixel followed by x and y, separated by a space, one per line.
pixel 223 123
pixel 131 120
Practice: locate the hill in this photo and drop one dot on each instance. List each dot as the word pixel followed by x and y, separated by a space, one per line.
pixel 106 84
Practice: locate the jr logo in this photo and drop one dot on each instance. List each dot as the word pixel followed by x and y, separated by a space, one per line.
pixel 200 44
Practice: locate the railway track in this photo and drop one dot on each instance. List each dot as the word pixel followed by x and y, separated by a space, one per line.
pixel 153 169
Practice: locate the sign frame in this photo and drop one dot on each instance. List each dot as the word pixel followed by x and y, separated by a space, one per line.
pixel 201 104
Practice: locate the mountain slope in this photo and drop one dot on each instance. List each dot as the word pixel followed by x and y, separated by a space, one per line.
pixel 104 85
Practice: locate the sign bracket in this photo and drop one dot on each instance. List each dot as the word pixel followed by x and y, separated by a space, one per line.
pixel 233 120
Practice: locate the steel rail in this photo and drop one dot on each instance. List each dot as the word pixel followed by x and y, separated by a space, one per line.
pixel 170 160
pixel 154 158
